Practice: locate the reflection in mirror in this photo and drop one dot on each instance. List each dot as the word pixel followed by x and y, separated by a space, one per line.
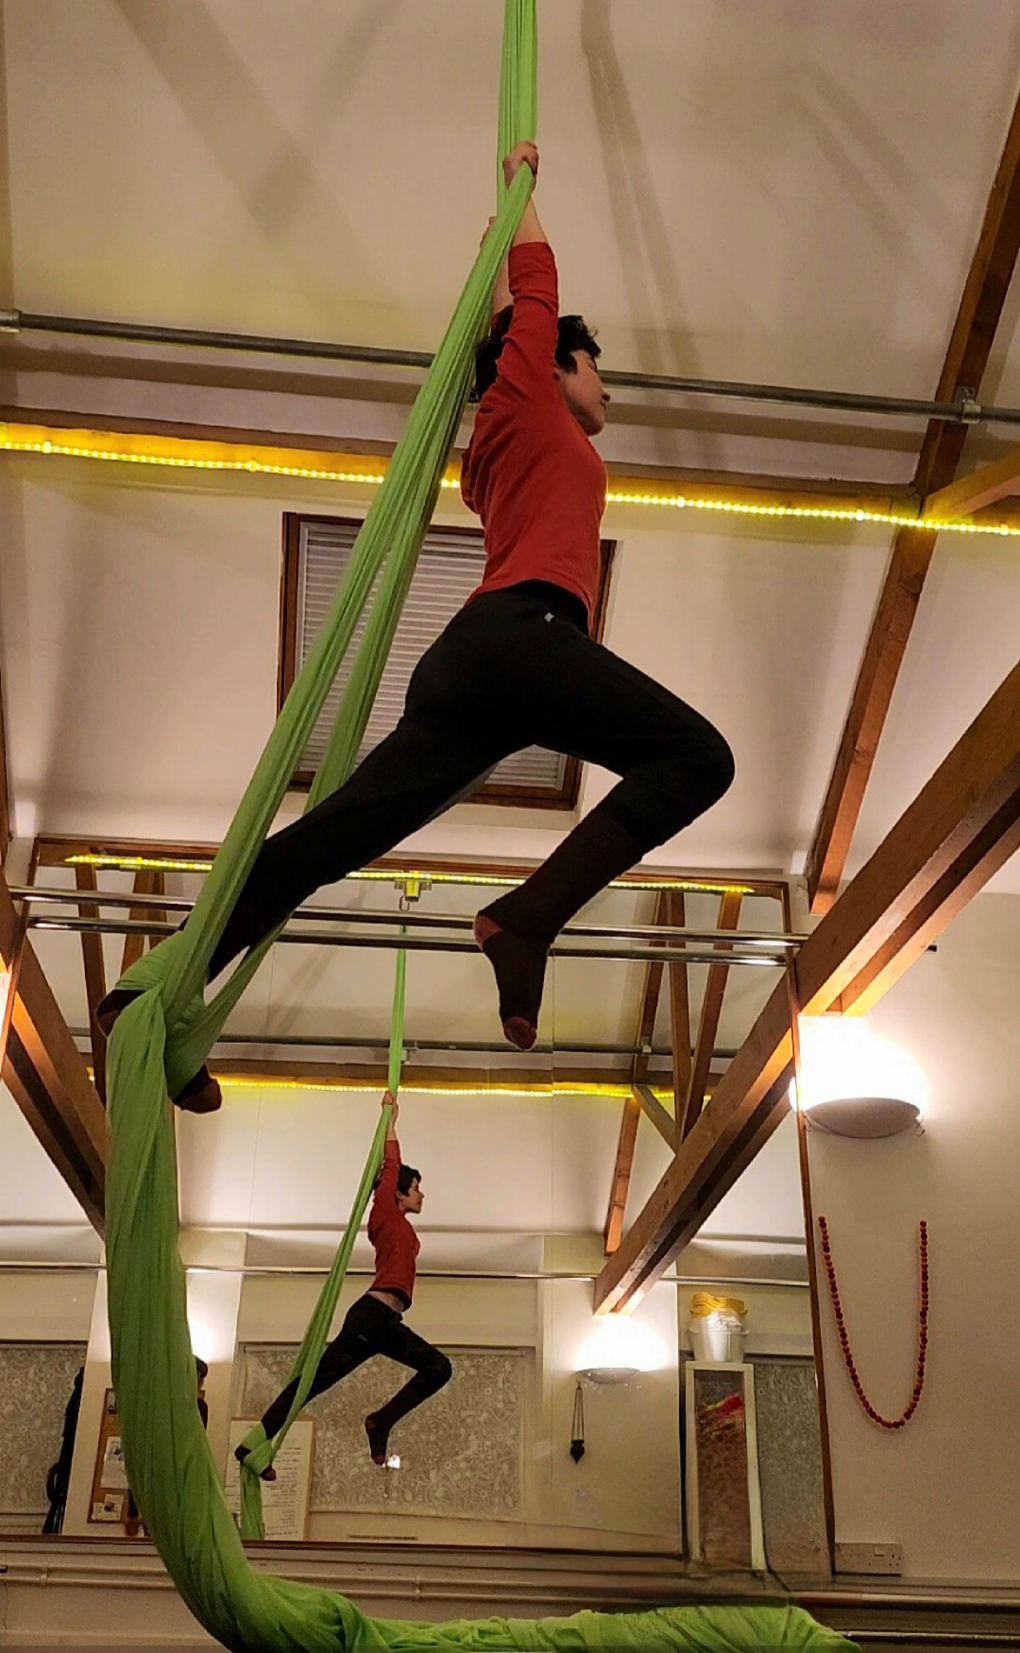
pixel 660 1037
pixel 48 1257
pixel 529 1421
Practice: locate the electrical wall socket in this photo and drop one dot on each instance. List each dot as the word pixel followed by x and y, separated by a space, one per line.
pixel 870 1558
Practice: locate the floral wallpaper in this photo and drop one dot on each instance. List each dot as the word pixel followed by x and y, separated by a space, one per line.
pixel 460 1453
pixel 35 1387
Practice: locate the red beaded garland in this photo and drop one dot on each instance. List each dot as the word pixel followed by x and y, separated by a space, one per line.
pixel 844 1337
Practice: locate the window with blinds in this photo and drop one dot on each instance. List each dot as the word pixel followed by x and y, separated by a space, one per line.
pixel 316 553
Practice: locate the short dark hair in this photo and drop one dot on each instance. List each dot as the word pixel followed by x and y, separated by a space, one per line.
pixel 572 333
pixel 405 1176
pixel 201 1368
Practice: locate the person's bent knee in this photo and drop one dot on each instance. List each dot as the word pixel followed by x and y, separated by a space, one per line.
pixel 699 779
pixel 696 782
pixel 439 1371
pixel 718 769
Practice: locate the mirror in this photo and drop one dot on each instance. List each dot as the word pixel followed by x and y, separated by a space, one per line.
pixel 555 1428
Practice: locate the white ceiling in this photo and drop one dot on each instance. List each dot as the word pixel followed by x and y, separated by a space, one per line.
pixel 788 191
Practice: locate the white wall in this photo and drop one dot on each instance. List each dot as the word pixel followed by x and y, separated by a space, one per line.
pixel 945 1487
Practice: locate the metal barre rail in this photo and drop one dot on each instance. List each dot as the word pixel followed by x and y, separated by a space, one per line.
pixel 423 944
pixel 773 941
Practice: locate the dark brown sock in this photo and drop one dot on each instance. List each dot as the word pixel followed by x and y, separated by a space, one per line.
pixel 241 1452
pixel 201 1094
pixel 378 1432
pixel 516 931
pixel 519 967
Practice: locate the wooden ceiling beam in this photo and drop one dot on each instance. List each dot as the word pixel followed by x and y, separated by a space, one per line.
pixel 679 1010
pixel 708 1024
pixel 970 344
pixel 148 881
pixel 95 977
pixel 660 1117
pixel 5 784
pixel 612 1234
pixel 620 1186
pixel 373 1075
pixel 45 1072
pixel 985 486
pixel 960 829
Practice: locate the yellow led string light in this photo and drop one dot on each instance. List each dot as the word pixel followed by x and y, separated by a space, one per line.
pixel 180 453
pixel 361 1087
pixel 375 875
pixel 615 1092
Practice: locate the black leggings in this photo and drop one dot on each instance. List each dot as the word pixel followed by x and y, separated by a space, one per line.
pixel 513 669
pixel 371 1328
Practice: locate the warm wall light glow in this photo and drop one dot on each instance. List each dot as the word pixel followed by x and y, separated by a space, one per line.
pixel 213 1298
pixel 203 1338
pixel 844 1058
pixel 619 1341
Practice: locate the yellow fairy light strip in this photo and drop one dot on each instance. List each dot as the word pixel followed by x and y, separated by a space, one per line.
pixel 376 875
pixel 814 513
pixel 561 1087
pixel 128 448
pixel 198 453
pixel 615 1092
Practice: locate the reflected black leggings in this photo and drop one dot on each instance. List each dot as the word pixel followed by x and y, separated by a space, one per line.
pixel 513 669
pixel 371 1328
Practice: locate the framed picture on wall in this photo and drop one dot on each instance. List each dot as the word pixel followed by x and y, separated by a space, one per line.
pixel 111 1504
pixel 724 1523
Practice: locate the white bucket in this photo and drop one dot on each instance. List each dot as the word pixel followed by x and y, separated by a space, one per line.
pixel 718 1336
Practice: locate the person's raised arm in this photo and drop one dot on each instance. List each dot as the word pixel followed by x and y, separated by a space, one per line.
pixel 502 297
pixel 529 229
pixel 527 356
pixel 391 1125
pixel 386 1187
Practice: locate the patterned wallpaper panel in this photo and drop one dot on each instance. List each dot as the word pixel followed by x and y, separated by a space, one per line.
pixel 461 1452
pixel 790 1465
pixel 35 1387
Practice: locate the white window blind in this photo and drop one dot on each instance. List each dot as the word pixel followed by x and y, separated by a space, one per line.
pixel 449 569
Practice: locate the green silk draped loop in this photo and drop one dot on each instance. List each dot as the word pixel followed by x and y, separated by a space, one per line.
pixel 261 1451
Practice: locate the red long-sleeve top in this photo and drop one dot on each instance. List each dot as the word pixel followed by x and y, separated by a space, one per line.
pixel 530 472
pixel 395 1241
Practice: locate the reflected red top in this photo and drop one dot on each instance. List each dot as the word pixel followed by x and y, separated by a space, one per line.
pixel 395 1241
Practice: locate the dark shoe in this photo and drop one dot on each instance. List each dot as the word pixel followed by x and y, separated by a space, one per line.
pixel 111 1007
pixel 201 1094
pixel 241 1452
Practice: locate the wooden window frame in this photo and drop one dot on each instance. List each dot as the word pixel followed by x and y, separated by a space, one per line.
pixel 527 797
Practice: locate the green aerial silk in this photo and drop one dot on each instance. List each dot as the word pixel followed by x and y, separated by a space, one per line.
pixel 262 1452
pixel 167 1031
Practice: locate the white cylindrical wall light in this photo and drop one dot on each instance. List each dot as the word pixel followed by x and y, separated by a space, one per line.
pixel 854 1081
